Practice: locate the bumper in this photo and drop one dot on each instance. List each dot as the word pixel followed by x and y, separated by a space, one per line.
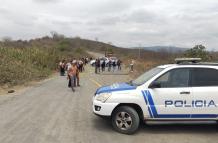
pixel 103 109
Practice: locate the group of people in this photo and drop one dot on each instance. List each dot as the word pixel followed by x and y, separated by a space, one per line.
pixel 73 68
pixel 112 65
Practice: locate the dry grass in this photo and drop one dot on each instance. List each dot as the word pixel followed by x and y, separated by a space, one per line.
pixel 147 61
pixel 22 61
pixel 21 65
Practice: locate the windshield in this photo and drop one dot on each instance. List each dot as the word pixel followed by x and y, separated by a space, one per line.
pixel 146 76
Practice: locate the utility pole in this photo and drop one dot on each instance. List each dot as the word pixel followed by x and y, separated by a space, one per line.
pixel 139 54
pixel 106 52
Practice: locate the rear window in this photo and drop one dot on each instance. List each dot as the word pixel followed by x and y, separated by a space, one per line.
pixel 204 77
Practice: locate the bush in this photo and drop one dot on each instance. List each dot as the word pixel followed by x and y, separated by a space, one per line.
pixel 64 45
pixel 199 51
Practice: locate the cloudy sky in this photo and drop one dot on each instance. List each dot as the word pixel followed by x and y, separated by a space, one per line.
pixel 125 23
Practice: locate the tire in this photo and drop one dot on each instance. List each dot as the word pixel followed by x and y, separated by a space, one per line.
pixel 125 120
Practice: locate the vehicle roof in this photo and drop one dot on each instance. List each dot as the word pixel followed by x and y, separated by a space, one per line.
pixel 200 65
pixel 166 66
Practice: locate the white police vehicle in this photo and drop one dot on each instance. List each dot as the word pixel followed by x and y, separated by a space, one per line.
pixel 186 91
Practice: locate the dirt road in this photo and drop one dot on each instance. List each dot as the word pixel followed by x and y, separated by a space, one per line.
pixel 51 113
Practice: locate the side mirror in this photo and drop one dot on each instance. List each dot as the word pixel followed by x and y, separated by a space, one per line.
pixel 155 84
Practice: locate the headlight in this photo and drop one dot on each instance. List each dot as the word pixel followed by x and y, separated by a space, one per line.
pixel 103 97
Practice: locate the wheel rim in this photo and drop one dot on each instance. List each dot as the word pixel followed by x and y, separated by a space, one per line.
pixel 123 121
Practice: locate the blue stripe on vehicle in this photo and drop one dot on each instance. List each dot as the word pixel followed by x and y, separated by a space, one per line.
pixel 152 105
pixel 144 97
pixel 115 87
pixel 174 116
pixel 146 101
pixel 204 116
pixel 112 90
pixel 187 116
pixel 149 110
pixel 97 91
pixel 149 101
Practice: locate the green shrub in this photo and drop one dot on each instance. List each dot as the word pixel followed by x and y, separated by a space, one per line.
pixel 199 51
pixel 64 45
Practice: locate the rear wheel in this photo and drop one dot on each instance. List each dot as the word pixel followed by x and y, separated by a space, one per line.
pixel 125 120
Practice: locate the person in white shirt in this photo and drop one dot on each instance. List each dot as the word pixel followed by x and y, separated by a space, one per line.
pixel 62 68
pixel 132 65
pixel 69 65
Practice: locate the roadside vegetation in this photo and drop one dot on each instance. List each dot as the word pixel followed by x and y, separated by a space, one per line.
pixel 149 59
pixel 24 61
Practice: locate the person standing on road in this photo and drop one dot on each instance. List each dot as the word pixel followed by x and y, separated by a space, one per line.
pixel 114 65
pixel 119 64
pixel 96 66
pixel 109 65
pixel 62 68
pixel 77 76
pixel 80 65
pixel 86 60
pixel 72 74
pixel 99 65
pixel 69 65
pixel 103 66
pixel 132 65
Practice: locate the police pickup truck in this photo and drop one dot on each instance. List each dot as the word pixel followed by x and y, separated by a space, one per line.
pixel 185 91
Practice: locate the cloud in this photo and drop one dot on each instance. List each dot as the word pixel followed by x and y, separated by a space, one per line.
pixel 46 1
pixel 3 10
pixel 123 22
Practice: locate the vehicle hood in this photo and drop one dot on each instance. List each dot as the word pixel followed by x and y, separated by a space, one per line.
pixel 115 87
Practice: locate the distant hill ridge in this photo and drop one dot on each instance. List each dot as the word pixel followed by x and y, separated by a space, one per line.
pixel 170 49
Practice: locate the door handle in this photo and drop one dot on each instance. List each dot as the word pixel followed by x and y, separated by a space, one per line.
pixel 185 92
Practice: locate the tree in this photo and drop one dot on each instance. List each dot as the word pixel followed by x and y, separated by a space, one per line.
pixel 198 51
pixel 7 39
pixel 55 35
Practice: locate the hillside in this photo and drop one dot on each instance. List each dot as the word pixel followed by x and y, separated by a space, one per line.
pixel 24 61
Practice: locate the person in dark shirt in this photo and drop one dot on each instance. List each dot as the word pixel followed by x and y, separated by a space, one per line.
pixel 119 64
pixel 99 65
pixel 96 67
pixel 114 65
pixel 103 66
pixel 109 65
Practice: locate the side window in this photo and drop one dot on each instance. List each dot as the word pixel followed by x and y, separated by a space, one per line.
pixel 204 77
pixel 175 78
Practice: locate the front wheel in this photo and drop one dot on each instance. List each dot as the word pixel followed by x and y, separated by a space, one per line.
pixel 125 120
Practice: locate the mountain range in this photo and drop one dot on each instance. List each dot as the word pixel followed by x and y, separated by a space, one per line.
pixel 170 49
